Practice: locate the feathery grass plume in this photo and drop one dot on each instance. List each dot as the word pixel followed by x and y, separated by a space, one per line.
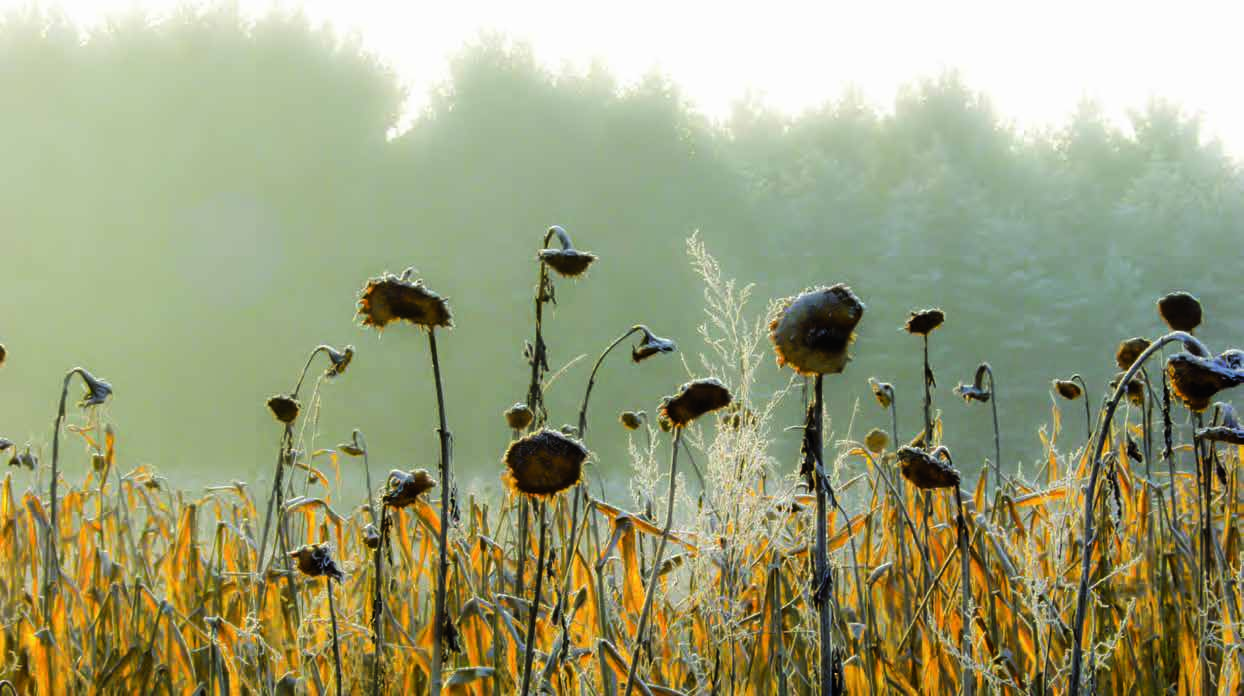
pixel 1129 350
pixel 632 420
pixel 1180 310
pixel 567 261
pixel 384 300
pixel 315 560
pixel 883 391
pixel 518 416
pixel 922 322
pixel 389 298
pixel 543 464
pixel 1067 389
pixel 926 470
pixel 284 408
pixel 694 399
pixel 1195 380
pixel 403 488
pixel 876 440
pixel 813 331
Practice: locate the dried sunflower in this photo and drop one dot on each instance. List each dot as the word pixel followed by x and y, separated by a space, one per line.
pixel 543 463
pixel 1229 431
pixel 315 560
pixel 876 440
pixel 1067 389
pixel 1195 380
pixel 404 488
pixel 923 321
pixel 632 420
pixel 4 353
pixel 1129 351
pixel 812 332
pixel 97 390
pixel 1181 311
pixel 650 346
pixel 340 360
pixel 284 408
pixel 1135 389
pixel 392 298
pixel 884 391
pixel 925 470
pixel 694 399
pixel 975 391
pixel 519 416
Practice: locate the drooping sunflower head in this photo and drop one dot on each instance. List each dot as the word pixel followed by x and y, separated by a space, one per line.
pixel 1196 380
pixel 813 331
pixel 97 390
pixel 694 399
pixel 923 321
pixel 883 391
pixel 519 416
pixel 876 440
pixel 389 298
pixel 284 408
pixel 543 463
pixel 650 346
pixel 567 261
pixel 315 560
pixel 1180 310
pixel 404 488
pixel 927 471
pixel 1067 389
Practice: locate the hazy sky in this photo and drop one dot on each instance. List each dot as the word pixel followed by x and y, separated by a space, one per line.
pixel 1036 60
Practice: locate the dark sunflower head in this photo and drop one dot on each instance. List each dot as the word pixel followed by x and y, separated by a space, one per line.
pixel 371 536
pixel 519 416
pixel 1196 380
pixel 923 321
pixel 1127 353
pixel 1135 389
pixel 403 488
pixel 650 346
pixel 876 440
pixel 284 408
pixel 976 391
pixel 5 443
pixel 567 261
pixel 339 360
pixel 632 420
pixel 1067 389
pixel 97 390
pixel 694 399
pixel 813 331
pixel 927 470
pixel 391 298
pixel 543 463
pixel 1228 430
pixel 315 560
pixel 883 391
pixel 1181 311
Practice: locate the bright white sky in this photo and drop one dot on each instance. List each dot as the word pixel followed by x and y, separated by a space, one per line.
pixel 1036 60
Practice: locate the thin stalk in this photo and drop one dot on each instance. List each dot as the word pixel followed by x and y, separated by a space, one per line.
pixel 1088 413
pixel 1089 537
pixel 442 568
pixel 51 573
pixel 377 606
pixel 535 601
pixel 967 672
pixel 928 399
pixel 997 436
pixel 361 442
pixel 1205 477
pixel 332 614
pixel 822 582
pixel 591 380
pixel 656 565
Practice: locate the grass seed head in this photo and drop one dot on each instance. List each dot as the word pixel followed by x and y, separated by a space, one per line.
pixel 694 399
pixel 1181 311
pixel 923 321
pixel 403 488
pixel 813 331
pixel 284 408
pixel 543 463
pixel 927 471
pixel 391 298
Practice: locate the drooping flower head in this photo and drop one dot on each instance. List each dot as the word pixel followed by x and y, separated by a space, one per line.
pixel 315 560
pixel 403 488
pixel 97 390
pixel 339 359
pixel 976 391
pixel 923 321
pixel 813 331
pixel 632 420
pixel 883 391
pixel 567 261
pixel 1129 351
pixel 1135 389
pixel 284 408
pixel 650 346
pixel 391 298
pixel 519 416
pixel 876 440
pixel 694 399
pixel 1195 380
pixel 1228 431
pixel 1067 389
pixel 543 463
pixel 1181 311
pixel 926 470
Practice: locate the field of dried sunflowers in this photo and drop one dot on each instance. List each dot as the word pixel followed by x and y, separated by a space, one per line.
pixel 863 567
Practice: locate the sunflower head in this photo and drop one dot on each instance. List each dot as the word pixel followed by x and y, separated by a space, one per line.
pixel 976 391
pixel 339 360
pixel 315 560
pixel 923 321
pixel 567 261
pixel 1180 310
pixel 1196 380
pixel 371 536
pixel 391 298
pixel 1135 389
pixel 1228 431
pixel 927 471
pixel 519 416
pixel 403 488
pixel 1128 351
pixel 543 463
pixel 1067 389
pixel 650 346
pixel 694 399
pixel 876 440
pixel 284 408
pixel 632 420
pixel 813 331
pixel 4 353
pixel 5 443
pixel 883 391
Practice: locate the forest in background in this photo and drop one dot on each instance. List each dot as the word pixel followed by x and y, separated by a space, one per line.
pixel 188 207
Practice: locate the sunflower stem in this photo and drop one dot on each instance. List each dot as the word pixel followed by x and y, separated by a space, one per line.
pixel 442 568
pixel 968 682
pixel 591 380
pixel 642 626
pixel 332 615
pixel 377 606
pixel 534 611
pixel 821 580
pixel 1089 536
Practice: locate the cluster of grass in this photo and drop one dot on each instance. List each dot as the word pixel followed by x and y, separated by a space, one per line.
pixel 871 566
